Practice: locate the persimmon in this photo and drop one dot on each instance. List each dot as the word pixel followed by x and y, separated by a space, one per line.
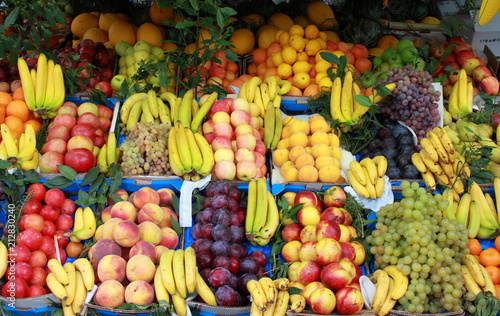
pixel 497 243
pixel 494 272
pixel 489 257
pixel 363 64
pixel 474 246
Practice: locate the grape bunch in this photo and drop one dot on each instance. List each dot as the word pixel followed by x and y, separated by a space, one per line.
pixel 414 235
pixel 144 150
pixel 413 101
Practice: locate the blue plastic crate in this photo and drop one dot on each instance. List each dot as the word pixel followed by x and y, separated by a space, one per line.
pixel 30 312
pixel 99 310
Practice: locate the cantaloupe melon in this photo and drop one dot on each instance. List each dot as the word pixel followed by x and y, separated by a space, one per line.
pixel 254 20
pixel 150 33
pixel 243 41
pixel 121 31
pixel 265 35
pixel 82 22
pixel 321 15
pixel 97 35
pixel 106 19
pixel 301 20
pixel 280 21
pixel 158 15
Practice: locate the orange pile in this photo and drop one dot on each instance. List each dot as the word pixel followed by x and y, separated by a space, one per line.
pixel 488 258
pixel 15 113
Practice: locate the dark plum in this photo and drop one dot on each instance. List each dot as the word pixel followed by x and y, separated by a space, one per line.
pixel 204 260
pixel 202 245
pixel 242 282
pixel 249 265
pixel 237 251
pixel 219 277
pixel 232 205
pixel 206 230
pixel 196 231
pixel 259 256
pixel 219 201
pixel 221 262
pixel 223 187
pixel 237 234
pixel 222 232
pixel 210 189
pixel 204 216
pixel 221 217
pixel 262 272
pixel 233 282
pixel 205 274
pixel 384 132
pixel 235 193
pixel 220 248
pixel 226 296
pixel 234 265
pixel 207 202
pixel 238 218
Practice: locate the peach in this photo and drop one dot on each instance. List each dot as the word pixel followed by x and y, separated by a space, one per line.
pixel 290 197
pixel 348 251
pixel 208 126
pixel 103 248
pixel 240 116
pixel 169 239
pixel 166 195
pixel 328 250
pixel 98 233
pixel 111 267
pixel 349 301
pixel 124 210
pixel 139 292
pixel 159 251
pixel 223 129
pixel 291 232
pixel 109 227
pixel 360 257
pixel 335 277
pixel 243 129
pixel 292 271
pixel 126 233
pixel 246 170
pixel 307 251
pixel 307 198
pixel 323 301
pixel 308 271
pixel 143 247
pixel 149 231
pixel 308 233
pixel 348 266
pixel 145 195
pixel 150 212
pixel 290 251
pixel 327 229
pixel 110 293
pixel 345 233
pixel 122 194
pixel 140 267
pixel 308 215
pixel 311 287
pixel 334 214
pixel 225 170
pixel 168 214
pixel 221 142
pixel 334 196
pixel 106 214
pixel 246 141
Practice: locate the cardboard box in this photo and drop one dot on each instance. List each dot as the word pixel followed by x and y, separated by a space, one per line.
pixel 481 36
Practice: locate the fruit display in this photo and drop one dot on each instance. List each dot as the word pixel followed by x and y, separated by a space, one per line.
pixel 367 176
pixel 23 155
pixel 488 258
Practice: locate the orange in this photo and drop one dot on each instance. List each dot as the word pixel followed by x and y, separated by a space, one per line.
pixel 494 272
pixel 497 243
pixel 259 55
pixel 301 80
pixel 18 108
pixel 35 123
pixel 294 91
pixel 350 58
pixel 343 47
pixel 273 48
pixel 311 90
pixel 261 69
pixel 18 94
pixel 252 68
pixel 5 98
pixel 2 114
pixel 474 246
pixel 15 124
pixel 489 257
pixel 271 71
pixel 363 64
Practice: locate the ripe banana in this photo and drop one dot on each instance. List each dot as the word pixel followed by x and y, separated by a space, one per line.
pixel 463 210
pixel 185 109
pixel 389 302
pixel 202 111
pixel 429 148
pixel 297 303
pixel 285 86
pixel 204 291
pixel 469 282
pixel 179 303
pixel 272 220
pixel 190 269
pixel 26 82
pixel 475 269
pixel 278 127
pixel 111 154
pixel 71 287
pixel 474 220
pixel 126 107
pixel 184 151
pixel 9 141
pixel 56 287
pixel 89 226
pixel 282 303
pixel 80 293
pixel 102 159
pixel 58 271
pixel 173 154
pixel 41 81
pixel 282 284
pixel 84 266
pixel 346 99
pixel 207 154
pixel 166 264
pixel 358 172
pixel 258 296
pixel 356 185
pixel 152 104
pixel 486 216
pixel 400 282
pixel 269 124
pixel 381 290
pixel 269 289
pixel 161 292
pixel 438 146
pixel 194 149
pixel 369 166
pixel 489 286
pixel 29 146
pixel 335 100
pixel 381 164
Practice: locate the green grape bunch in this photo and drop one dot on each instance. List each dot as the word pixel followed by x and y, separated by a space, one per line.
pixel 426 246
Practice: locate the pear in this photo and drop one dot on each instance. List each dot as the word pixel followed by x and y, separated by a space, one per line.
pixel 447 119
pixel 467 131
pixel 464 147
pixel 453 126
pixel 452 134
pixel 494 168
pixel 495 150
pixel 484 130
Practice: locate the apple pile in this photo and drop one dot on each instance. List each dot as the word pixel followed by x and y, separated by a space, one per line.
pixel 75 136
pixel 234 130
pixel 221 255
pixel 95 64
pixel 136 231
pixel 325 261
pixel 45 220
pixel 463 56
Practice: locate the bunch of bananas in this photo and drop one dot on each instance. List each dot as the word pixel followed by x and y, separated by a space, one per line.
pixel 262 217
pixel 43 88
pixel 190 155
pixel 367 176
pixel 439 162
pixel 272 298
pixel 260 92
pixel 273 125
pixel 85 224
pixel 343 106
pixel 187 110
pixel 461 97
pixel 144 107
pixel 70 283
pixel 109 154
pixel 20 153
pixel 476 277
pixel 476 211
pixel 391 284
pixel 176 277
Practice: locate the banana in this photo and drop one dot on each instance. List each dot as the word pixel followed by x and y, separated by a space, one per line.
pixel 172 102
pixel 50 88
pixel 146 115
pixel 9 141
pixel 30 164
pixel 179 275
pixel 285 86
pixel 251 206
pixel 152 104
pixel 358 172
pixel 297 303
pixel 173 154
pixel 389 302
pixel 380 187
pixel 261 208
pixel 204 290
pixel 496 189
pixel 485 233
pixel 488 286
pixel 78 222
pixel 464 209
pixel 134 115
pixel 41 81
pixel 251 87
pixel 185 109
pixel 33 80
pixel 474 220
pixel 335 100
pixel 163 112
pixel 26 82
pixel 3 259
pixel 59 88
pixel 450 209
pixel 469 282
pixel 400 282
pixel 194 108
pixel 203 111
pixel 278 127
pixel 71 287
pixel 89 226
pixel 84 266
pixel 126 107
pixel 282 284
pixel 196 156
pixel 161 292
pixel 207 154
pixel 431 164
pixel 111 154
pixel 282 303
pixel 416 160
pixel 491 204
pixel 3 151
pixel 167 274
pixel 80 294
pixel 356 106
pixel 259 102
pixel 475 269
pixel 264 92
pixel 277 101
pixel 258 296
pixel 272 86
pixel 179 303
pixel 190 269
pixel 381 290
pixel 101 159
pixel 58 271
pixel 346 102
pixel 56 287
pixel 67 310
pixel 430 149
pixel 269 289
pixel 184 150
pixel 29 146
pixel 436 142
pixel 371 168
pixel 446 142
pixel 448 169
pixel 272 218
pixel 381 164
pixel 255 310
pixel 269 125
pixel 369 185
pixel 243 90
pixel 486 216
pixel 356 185
pixel 428 177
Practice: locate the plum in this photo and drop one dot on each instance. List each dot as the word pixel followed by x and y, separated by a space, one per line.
pixel 242 282
pixel 206 230
pixel 219 201
pixel 207 202
pixel 205 274
pixel 227 296
pixel 238 218
pixel 220 248
pixel 235 193
pixel 232 205
pixel 219 277
pixel 222 232
pixel 221 262
pixel 259 256
pixel 196 231
pixel 249 265
pixel 221 217
pixel 237 251
pixel 202 245
pixel 237 234
pixel 204 216
pixel 204 260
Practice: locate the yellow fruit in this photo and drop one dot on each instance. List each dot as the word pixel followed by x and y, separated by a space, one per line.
pixel 265 35
pixel 322 66
pixel 300 126
pixel 296 29
pixel 285 166
pixel 336 153
pixel 284 71
pixel 283 143
pixel 302 56
pixel 82 22
pixel 332 36
pixel 321 15
pixel 430 20
pixel 286 132
pixel 243 41
pixel 323 160
pixel 289 55
pixel 320 137
pixel 334 140
pixel 121 31
pixel 158 15
pixel 319 76
pixel 325 84
pixel 329 173
pixel 280 21
pixel 301 80
pixel 150 33
pixel 320 150
pixel 106 19
pixel 304 160
pixel 311 31
pixel 308 174
pixel 291 174
pixel 96 35
pixel 277 59
pixel 320 126
pixel 283 38
pixel 297 42
pixel 301 66
pixel 280 156
pixel 298 139
pixel 295 152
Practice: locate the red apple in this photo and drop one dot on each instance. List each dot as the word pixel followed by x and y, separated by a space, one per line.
pixel 489 85
pixel 349 301
pixel 470 64
pixel 49 162
pixel 291 232
pixel 65 119
pixel 62 132
pixel 56 144
pixel 83 129
pixel 104 111
pixel 464 55
pixel 360 257
pixel 481 72
pixel 335 277
pixel 89 119
pixel 327 251
pixel 105 87
pixel 334 196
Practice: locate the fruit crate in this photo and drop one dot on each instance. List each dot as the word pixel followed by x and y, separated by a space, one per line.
pixel 363 312
pixel 104 311
pixel 40 305
pixel 203 309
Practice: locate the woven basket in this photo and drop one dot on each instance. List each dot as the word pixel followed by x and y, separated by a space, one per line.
pixel 403 313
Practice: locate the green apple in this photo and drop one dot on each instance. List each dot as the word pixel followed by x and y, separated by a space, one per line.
pixel 395 58
pixel 116 82
pixel 129 60
pixel 122 70
pixel 396 65
pixel 403 43
pixel 377 60
pixel 418 64
pixel 121 48
pixel 121 61
pixel 141 55
pixel 142 45
pixel 130 71
pixel 409 53
pixel 384 66
pixel 129 51
pixel 157 53
pixel 388 52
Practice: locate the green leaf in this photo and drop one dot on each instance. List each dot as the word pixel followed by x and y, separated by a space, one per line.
pixel 116 182
pixel 91 176
pixel 101 199
pixel 175 203
pixel 363 100
pixel 96 184
pixel 83 198
pixel 67 172
pixel 175 225
pixel 4 164
pixel 194 4
pixel 12 17
pixel 58 182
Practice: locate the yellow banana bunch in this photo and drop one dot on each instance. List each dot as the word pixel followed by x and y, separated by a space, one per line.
pixel 476 277
pixel 391 284
pixel 43 87
pixel 144 107
pixel 87 226
pixel 461 97
pixel 260 92
pixel 263 216
pixel 21 153
pixel 366 177
pixel 273 125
